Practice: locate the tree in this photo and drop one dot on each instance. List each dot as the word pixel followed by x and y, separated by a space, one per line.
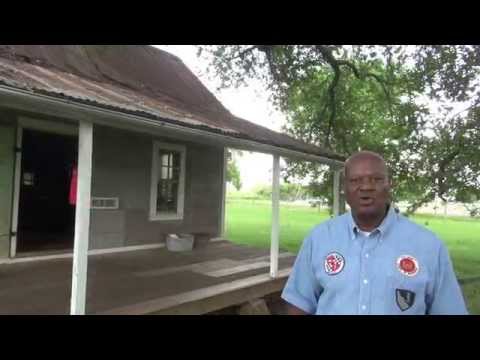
pixel 233 172
pixel 288 192
pixel 348 98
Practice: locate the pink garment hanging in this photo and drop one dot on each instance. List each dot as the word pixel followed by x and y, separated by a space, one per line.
pixel 73 187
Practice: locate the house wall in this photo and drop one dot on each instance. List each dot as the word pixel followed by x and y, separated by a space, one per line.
pixel 122 168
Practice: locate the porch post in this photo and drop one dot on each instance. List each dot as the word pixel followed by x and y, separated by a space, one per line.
pixel 82 219
pixel 336 192
pixel 16 192
pixel 224 192
pixel 274 244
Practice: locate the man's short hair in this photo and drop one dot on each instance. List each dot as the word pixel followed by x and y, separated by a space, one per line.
pixel 365 154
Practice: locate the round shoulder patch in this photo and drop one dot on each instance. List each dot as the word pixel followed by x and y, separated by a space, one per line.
pixel 407 265
pixel 334 263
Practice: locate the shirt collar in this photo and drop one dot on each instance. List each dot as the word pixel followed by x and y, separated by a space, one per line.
pixel 387 222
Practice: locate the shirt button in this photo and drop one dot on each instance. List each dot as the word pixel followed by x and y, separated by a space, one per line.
pixel 365 281
pixel 364 307
pixel 366 255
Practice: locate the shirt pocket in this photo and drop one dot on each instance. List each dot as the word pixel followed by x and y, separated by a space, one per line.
pixel 405 295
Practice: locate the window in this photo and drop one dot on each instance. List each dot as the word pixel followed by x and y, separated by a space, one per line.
pixel 168 182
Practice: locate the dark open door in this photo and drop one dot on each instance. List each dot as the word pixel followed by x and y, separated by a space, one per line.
pixel 7 143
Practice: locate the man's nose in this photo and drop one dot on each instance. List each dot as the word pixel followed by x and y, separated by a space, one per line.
pixel 367 184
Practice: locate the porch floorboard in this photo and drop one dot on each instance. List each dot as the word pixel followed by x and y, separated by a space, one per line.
pixel 149 281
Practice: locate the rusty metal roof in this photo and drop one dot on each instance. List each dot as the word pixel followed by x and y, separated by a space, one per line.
pixel 136 79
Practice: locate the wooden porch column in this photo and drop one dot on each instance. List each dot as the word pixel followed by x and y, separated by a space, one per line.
pixel 275 239
pixel 224 192
pixel 16 193
pixel 336 192
pixel 82 219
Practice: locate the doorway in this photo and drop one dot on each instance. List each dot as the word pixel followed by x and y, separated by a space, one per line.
pixel 46 213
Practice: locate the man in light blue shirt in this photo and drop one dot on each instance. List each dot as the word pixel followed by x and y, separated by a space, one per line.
pixel 372 260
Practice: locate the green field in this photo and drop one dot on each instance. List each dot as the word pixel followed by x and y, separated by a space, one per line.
pixel 248 222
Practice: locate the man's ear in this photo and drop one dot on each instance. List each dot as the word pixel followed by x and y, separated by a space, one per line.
pixel 390 187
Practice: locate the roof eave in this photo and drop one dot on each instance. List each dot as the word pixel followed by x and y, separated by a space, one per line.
pixel 25 100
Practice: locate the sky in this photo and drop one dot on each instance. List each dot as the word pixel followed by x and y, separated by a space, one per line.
pixel 249 103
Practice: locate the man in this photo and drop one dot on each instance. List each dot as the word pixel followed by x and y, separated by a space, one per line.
pixel 372 260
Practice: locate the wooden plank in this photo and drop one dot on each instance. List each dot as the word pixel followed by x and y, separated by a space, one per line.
pixel 82 219
pixel 336 192
pixel 254 307
pixel 224 192
pixel 16 192
pixel 7 142
pixel 237 269
pixel 201 267
pixel 66 255
pixel 216 268
pixel 275 239
pixel 208 299
pixel 48 126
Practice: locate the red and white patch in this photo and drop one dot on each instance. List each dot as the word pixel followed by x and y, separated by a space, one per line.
pixel 407 265
pixel 334 263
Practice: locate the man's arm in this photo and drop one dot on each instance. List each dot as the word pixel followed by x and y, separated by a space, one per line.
pixel 302 289
pixel 293 310
pixel 447 295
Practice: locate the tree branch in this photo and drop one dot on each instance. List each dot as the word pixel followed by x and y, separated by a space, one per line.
pixel 413 207
pixel 440 175
pixel 351 66
pixel 333 113
pixel 330 59
pixel 242 53
pixel 336 64
pixel 277 72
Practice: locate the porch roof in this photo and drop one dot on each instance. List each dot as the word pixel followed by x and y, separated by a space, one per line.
pixel 141 81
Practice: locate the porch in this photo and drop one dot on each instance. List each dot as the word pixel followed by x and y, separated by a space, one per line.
pixel 144 281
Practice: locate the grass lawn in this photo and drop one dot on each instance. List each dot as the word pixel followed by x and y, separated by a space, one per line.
pixel 248 222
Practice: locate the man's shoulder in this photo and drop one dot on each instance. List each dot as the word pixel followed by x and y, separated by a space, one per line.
pixel 334 223
pixel 416 231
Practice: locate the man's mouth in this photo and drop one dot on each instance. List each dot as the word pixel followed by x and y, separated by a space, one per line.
pixel 366 200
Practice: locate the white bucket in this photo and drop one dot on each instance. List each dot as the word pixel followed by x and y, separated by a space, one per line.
pixel 180 242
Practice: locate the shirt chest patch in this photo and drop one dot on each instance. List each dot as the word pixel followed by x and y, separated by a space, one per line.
pixel 407 265
pixel 334 263
pixel 404 298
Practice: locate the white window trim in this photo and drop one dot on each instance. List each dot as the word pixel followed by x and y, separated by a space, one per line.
pixel 154 216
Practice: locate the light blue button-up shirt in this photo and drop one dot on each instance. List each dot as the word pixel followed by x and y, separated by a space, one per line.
pixel 369 274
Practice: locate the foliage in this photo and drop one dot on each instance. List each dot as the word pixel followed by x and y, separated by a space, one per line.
pixel 348 98
pixel 288 192
pixel 233 172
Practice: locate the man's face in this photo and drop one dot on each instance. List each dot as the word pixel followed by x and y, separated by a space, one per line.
pixel 367 187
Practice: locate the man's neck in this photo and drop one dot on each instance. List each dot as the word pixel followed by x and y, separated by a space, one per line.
pixel 370 223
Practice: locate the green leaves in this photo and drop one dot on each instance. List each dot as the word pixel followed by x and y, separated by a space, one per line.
pixel 356 97
pixel 233 172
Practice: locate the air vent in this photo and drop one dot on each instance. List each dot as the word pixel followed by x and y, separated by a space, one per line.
pixel 104 203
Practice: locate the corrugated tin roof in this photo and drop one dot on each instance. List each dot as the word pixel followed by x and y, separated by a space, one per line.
pixel 142 80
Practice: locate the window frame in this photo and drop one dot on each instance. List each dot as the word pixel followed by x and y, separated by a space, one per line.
pixel 166 216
